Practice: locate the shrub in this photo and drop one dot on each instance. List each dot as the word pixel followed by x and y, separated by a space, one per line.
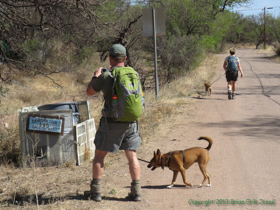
pixel 3 91
pixel 277 50
pixel 9 147
pixel 178 55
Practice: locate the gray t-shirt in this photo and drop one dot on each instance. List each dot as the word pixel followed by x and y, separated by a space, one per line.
pixel 104 83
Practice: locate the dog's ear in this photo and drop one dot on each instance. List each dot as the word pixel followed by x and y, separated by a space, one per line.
pixel 158 156
pixel 158 152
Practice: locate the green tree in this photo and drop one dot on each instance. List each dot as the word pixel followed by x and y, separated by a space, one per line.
pixel 273 26
pixel 218 30
pixel 236 28
pixel 254 29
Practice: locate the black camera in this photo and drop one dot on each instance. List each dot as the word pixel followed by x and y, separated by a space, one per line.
pixel 103 70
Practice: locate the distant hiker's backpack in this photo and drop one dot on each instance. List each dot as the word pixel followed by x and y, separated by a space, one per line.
pixel 128 99
pixel 232 64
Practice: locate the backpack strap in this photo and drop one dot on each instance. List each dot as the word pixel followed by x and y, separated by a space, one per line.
pixel 114 77
pixel 106 111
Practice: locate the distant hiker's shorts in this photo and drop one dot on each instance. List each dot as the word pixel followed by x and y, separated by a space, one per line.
pixel 231 76
pixel 112 136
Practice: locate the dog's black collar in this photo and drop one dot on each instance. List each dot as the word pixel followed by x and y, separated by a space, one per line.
pixel 169 158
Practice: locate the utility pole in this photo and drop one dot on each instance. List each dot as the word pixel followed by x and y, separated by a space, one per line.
pixel 264 32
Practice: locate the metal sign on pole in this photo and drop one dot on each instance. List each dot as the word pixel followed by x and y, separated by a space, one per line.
pixel 155 53
pixel 154 25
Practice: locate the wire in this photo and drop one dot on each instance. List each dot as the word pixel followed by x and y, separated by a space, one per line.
pixel 248 9
pixel 258 8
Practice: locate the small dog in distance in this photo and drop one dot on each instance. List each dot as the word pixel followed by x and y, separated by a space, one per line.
pixel 208 88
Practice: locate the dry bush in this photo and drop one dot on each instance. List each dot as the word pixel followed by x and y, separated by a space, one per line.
pixel 277 49
pixel 21 194
pixel 87 154
pixel 162 111
pixel 9 146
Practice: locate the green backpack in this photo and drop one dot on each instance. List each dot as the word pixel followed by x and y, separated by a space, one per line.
pixel 128 99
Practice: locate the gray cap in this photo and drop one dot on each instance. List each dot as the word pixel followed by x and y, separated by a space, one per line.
pixel 118 50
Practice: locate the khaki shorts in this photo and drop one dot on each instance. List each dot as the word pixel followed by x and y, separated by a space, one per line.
pixel 112 136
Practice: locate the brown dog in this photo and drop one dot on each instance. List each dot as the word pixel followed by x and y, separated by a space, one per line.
pixel 208 88
pixel 179 161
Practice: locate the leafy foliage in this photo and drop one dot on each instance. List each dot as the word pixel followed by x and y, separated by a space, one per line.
pixel 273 27
pixel 178 55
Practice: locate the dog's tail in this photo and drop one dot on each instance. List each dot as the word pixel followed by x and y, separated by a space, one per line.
pixel 207 139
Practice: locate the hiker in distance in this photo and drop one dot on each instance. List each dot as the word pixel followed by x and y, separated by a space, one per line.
pixel 231 67
pixel 117 130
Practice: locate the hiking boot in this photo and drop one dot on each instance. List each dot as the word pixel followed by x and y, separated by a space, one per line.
pixel 95 190
pixel 134 197
pixel 96 197
pixel 233 96
pixel 229 95
pixel 135 191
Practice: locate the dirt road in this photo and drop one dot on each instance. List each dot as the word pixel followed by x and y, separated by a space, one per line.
pixel 244 163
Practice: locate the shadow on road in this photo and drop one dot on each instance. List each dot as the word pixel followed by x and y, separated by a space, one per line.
pixel 259 126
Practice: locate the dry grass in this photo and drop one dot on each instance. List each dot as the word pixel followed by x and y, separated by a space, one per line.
pixel 87 153
pixel 272 52
pixel 62 187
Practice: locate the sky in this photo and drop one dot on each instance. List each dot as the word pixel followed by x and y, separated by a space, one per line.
pixel 257 6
